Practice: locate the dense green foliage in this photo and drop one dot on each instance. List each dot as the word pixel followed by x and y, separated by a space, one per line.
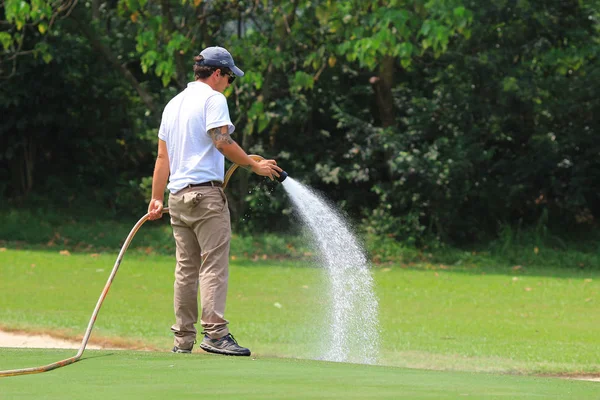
pixel 441 119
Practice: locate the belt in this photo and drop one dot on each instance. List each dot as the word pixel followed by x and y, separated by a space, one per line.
pixel 209 183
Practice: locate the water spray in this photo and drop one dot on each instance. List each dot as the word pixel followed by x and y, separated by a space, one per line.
pixel 88 332
pixel 353 320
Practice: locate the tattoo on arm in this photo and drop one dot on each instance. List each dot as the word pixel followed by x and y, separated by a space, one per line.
pixel 219 138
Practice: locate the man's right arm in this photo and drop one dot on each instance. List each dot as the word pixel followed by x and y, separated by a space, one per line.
pixel 234 153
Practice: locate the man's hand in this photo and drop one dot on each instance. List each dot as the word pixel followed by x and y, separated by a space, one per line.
pixel 155 209
pixel 266 168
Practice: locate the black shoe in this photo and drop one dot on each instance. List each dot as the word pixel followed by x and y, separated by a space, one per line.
pixel 227 345
pixel 178 350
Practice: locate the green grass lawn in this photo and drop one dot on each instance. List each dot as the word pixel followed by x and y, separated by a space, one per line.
pixel 468 321
pixel 151 375
pixel 431 316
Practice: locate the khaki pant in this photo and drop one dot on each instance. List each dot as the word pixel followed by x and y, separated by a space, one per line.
pixel 202 230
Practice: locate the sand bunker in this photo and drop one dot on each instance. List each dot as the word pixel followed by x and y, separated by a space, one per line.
pixel 12 339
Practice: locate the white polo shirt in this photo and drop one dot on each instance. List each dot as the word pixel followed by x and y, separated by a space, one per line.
pixel 193 158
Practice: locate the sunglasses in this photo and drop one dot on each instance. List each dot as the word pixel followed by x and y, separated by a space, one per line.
pixel 230 76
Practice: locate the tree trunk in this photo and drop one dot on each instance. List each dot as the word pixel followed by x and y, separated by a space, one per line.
pixel 96 9
pixel 21 167
pixel 282 32
pixel 382 85
pixel 29 150
pixel 383 92
pixel 179 62
pixel 90 33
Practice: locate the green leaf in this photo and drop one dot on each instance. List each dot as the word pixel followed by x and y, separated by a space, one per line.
pixel 459 12
pixel 43 49
pixel 47 57
pixel 425 28
pixel 6 40
pixel 148 60
pixel 24 10
pixel 263 122
pixel 303 80
pixel 510 84
pixel 35 7
pixel 405 50
pixel 10 10
pixel 256 110
pixel 254 78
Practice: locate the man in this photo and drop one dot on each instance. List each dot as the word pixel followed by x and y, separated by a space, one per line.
pixel 194 137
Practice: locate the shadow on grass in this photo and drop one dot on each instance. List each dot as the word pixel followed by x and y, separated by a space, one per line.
pixel 479 264
pixel 516 271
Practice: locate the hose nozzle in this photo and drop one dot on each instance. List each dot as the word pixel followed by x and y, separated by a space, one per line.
pixel 282 176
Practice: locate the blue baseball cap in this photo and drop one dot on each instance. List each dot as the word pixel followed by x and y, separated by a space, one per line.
pixel 219 57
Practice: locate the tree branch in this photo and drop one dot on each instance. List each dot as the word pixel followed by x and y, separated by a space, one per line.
pixel 89 32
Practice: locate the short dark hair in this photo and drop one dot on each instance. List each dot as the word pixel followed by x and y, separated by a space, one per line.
pixel 204 71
